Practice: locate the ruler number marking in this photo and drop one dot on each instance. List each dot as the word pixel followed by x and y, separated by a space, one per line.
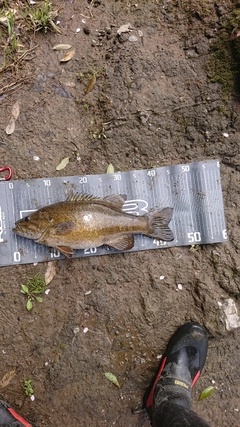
pixel 89 251
pixel 83 180
pixel 224 234
pixel 159 242
pixel 194 237
pixel 117 177
pixel 17 256
pixel 55 253
pixel 151 172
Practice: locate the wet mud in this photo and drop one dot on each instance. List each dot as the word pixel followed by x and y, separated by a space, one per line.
pixel 152 105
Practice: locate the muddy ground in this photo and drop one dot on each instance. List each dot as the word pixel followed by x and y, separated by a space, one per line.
pixel 130 313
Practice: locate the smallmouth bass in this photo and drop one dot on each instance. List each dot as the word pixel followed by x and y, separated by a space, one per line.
pixel 84 221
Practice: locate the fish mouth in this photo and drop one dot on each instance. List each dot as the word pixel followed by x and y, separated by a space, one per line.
pixel 18 230
pixel 21 232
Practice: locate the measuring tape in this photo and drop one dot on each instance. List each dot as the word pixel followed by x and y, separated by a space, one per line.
pixel 193 190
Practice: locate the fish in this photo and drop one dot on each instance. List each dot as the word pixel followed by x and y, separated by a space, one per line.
pixel 85 221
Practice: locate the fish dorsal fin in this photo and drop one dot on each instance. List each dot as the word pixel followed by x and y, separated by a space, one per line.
pixel 114 200
pixel 117 200
pixel 81 197
pixel 122 243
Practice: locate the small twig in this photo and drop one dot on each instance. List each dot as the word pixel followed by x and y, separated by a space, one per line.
pixel 113 120
pixel 21 57
pixel 12 86
pixel 84 16
pixel 90 11
pixel 75 145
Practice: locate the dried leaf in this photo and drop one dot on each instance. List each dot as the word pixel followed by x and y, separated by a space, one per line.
pixel 50 272
pixel 62 47
pixel 91 84
pixel 7 378
pixel 112 378
pixel 207 392
pixel 10 127
pixel 68 56
pixel 124 28
pixel 16 110
pixel 110 168
pixel 63 164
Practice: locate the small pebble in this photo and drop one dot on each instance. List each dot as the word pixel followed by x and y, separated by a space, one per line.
pixel 78 30
pixel 226 135
pixel 36 158
pixel 162 277
pixel 132 39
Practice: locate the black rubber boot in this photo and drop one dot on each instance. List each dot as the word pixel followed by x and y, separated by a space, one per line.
pixel 180 368
pixel 8 417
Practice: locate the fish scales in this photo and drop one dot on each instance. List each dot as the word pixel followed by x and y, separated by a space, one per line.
pixel 84 221
pixel 90 224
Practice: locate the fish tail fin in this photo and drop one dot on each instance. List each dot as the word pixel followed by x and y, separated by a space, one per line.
pixel 158 224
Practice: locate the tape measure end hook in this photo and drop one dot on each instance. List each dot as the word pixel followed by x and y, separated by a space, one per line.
pixel 9 176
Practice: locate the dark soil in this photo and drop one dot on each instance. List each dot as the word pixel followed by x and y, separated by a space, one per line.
pixel 130 313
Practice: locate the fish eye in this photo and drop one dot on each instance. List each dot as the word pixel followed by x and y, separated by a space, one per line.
pixel 27 218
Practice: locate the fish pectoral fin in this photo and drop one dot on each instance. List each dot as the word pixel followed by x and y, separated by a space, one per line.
pixel 122 243
pixel 65 250
pixel 63 228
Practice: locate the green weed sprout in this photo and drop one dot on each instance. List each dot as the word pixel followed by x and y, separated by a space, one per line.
pixel 42 17
pixel 28 388
pixel 32 288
